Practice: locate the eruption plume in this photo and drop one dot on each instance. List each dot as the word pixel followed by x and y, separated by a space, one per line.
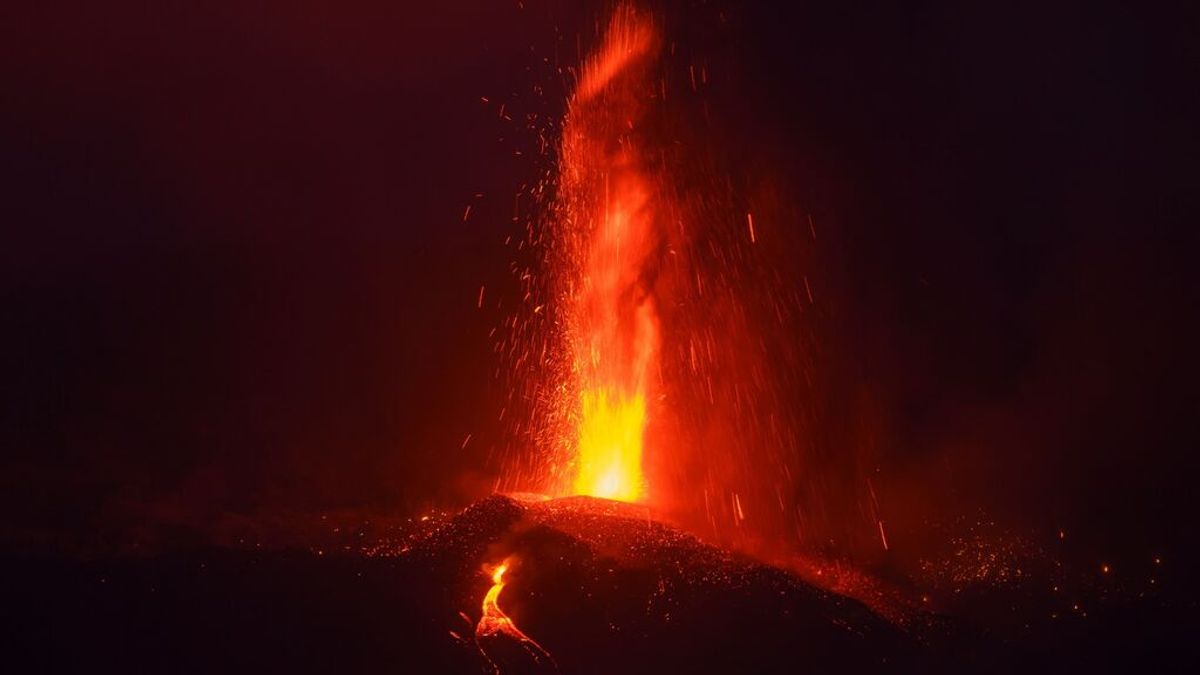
pixel 664 353
pixel 607 215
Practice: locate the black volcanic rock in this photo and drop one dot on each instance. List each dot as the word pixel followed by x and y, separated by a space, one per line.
pixel 597 584
pixel 605 589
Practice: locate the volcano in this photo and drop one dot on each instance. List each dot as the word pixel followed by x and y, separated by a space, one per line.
pixel 511 584
pixel 603 587
pixel 634 336
pixel 595 585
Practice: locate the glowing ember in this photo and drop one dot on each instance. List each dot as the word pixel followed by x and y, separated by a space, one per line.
pixel 607 214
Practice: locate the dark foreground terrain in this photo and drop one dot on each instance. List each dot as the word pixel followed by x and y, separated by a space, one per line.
pixel 597 584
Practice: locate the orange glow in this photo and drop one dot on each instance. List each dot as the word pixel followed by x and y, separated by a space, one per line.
pixel 607 213
pixel 662 346
pixel 494 621
pixel 610 446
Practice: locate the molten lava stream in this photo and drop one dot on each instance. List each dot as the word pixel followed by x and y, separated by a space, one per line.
pixel 495 622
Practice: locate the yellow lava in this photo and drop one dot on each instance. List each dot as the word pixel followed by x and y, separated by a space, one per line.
pixel 608 202
pixel 495 622
pixel 610 446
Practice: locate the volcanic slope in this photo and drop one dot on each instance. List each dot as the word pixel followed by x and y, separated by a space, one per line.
pixel 604 588
pixel 596 586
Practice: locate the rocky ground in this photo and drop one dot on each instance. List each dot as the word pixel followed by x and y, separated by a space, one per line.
pixel 597 584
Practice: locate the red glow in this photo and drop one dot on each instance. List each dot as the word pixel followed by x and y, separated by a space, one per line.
pixel 495 622
pixel 656 353
pixel 607 210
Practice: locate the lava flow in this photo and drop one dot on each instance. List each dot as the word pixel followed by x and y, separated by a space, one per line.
pixel 606 214
pixel 495 622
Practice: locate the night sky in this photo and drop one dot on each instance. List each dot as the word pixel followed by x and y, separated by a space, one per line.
pixel 237 279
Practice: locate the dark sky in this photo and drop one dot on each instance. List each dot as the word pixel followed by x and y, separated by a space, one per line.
pixel 236 275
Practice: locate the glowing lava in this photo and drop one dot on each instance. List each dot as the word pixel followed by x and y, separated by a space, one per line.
pixel 663 350
pixel 495 622
pixel 610 445
pixel 607 221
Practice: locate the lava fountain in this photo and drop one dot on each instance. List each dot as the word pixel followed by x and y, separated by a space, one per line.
pixel 660 354
pixel 606 217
